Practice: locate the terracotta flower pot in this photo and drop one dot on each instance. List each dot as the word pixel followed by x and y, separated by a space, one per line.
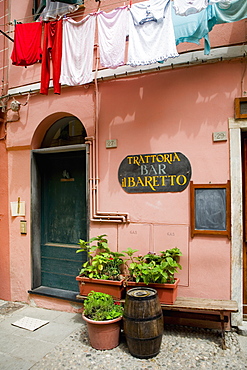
pixel 113 287
pixel 103 334
pixel 167 293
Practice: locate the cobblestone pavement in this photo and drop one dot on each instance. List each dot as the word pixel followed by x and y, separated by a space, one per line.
pixel 64 344
pixel 182 348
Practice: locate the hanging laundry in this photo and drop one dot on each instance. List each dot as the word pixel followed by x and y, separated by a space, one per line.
pixel 78 48
pixel 151 33
pixel 52 53
pixel 235 11
pixel 112 31
pixel 186 7
pixel 27 44
pixel 194 27
pixel 56 9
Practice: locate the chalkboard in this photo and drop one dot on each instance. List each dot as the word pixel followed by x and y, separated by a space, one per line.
pixel 210 209
pixel 210 205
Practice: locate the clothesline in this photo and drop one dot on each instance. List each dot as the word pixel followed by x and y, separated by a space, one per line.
pixel 96 12
pixel 154 31
pixel 200 24
pixel 89 11
pixel 69 45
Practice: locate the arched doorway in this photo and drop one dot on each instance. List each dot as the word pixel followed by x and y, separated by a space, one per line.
pixel 59 208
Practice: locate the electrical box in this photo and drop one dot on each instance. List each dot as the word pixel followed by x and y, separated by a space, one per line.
pixel 23 226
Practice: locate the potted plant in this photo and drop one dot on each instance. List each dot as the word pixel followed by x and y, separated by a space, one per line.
pixel 103 317
pixel 155 270
pixel 102 272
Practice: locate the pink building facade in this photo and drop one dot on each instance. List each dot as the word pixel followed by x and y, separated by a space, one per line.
pixel 127 132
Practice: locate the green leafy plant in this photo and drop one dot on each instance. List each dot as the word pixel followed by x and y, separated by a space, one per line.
pixel 153 268
pixel 102 262
pixel 100 306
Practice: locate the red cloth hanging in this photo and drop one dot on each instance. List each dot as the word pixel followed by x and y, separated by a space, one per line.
pixel 52 51
pixel 27 44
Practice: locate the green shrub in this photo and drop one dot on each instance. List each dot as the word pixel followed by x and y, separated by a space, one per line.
pixel 152 267
pixel 102 262
pixel 100 306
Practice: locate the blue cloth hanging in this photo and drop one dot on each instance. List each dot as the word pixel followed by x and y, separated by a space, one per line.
pixel 235 11
pixel 194 27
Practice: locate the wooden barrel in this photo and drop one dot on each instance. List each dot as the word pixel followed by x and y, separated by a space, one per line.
pixel 143 322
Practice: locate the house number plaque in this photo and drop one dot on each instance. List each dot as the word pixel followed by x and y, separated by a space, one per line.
pixel 154 173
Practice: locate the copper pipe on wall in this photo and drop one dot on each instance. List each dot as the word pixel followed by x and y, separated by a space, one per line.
pixel 95 214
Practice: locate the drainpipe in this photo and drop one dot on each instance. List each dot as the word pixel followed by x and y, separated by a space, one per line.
pixel 90 180
pixel 95 214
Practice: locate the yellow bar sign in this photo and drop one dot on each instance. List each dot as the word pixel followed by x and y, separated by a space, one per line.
pixel 147 173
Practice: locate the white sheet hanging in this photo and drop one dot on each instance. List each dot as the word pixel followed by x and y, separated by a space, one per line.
pixel 187 7
pixel 77 51
pixel 151 33
pixel 112 31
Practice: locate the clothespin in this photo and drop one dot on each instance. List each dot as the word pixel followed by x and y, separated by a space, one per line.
pixel 14 22
pixel 130 3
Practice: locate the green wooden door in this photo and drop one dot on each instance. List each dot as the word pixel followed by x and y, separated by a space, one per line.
pixel 63 217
